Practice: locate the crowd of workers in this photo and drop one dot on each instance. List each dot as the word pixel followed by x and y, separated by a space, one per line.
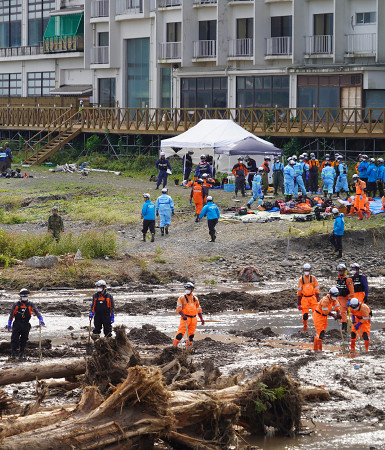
pixel 346 302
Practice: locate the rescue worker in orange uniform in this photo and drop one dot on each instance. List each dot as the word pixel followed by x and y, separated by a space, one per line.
pixel 345 288
pixel 360 283
pixel 327 159
pixel 361 323
pixel 307 294
pixel 188 308
pixel 198 194
pixel 208 181
pixel 320 316
pixel 360 198
pixel 240 172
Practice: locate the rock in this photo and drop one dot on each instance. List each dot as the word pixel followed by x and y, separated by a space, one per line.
pixel 115 283
pixel 249 274
pixel 42 262
pixel 78 255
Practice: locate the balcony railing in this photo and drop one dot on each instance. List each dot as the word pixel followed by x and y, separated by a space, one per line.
pixel 241 47
pixel 100 55
pixel 278 46
pixel 362 44
pixel 205 2
pixel 170 50
pixel 169 3
pixel 58 44
pixel 129 6
pixel 205 49
pixel 319 45
pixel 100 8
pixel 21 51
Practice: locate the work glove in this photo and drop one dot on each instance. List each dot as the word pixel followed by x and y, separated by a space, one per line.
pixel 9 326
pixel 338 316
pixel 331 314
pixel 307 176
pixel 317 296
pixel 339 179
pixel 365 298
pixel 299 297
pixel 190 201
pixel 201 318
pixel 112 318
pixel 41 321
pixel 260 192
pixel 157 213
pixel 92 314
pixel 183 315
pixel 357 326
pixel 361 197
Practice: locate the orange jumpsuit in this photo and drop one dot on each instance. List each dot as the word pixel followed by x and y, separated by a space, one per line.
pixel 383 203
pixel 308 292
pixel 360 199
pixel 346 289
pixel 208 182
pixel 356 168
pixel 189 305
pixel 198 194
pixel 362 314
pixel 320 318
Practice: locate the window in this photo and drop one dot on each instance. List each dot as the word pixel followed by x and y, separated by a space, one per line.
pixel 281 26
pixel 245 28
pixel 208 30
pixel 263 91
pixel 165 87
pixel 174 32
pixel 365 18
pixel 40 84
pixel 104 39
pixel 10 23
pixel 138 72
pixel 38 16
pixel 10 84
pixel 323 24
pixel 107 92
pixel 202 92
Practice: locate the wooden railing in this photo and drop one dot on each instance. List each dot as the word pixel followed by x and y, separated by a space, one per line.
pixel 350 122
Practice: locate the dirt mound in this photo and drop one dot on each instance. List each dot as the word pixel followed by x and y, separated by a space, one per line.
pixel 149 335
pixel 260 333
pixel 376 297
pixel 210 345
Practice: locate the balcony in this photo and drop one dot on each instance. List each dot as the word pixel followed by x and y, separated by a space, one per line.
pixel 100 8
pixel 62 44
pixel 21 51
pixel 319 45
pixel 241 47
pixel 169 3
pixel 278 46
pixel 205 49
pixel 362 44
pixel 129 7
pixel 100 55
pixel 204 2
pixel 170 50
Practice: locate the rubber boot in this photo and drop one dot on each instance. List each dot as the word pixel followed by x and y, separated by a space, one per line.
pixel 368 214
pixel 319 345
pixel 152 237
pixel 166 229
pixel 352 211
pixel 162 231
pixel 352 345
pixel 304 325
pixel 214 236
pixel 248 206
pixel 344 327
pixel 366 345
pixel 360 215
pixel 21 355
pixel 175 343
pixel 196 218
pixel 339 254
pixel 316 344
pixel 12 357
pixel 144 237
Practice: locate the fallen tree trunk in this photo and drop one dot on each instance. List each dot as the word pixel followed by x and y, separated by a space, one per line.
pixel 20 374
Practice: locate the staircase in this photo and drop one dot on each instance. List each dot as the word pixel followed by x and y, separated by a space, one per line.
pixel 57 136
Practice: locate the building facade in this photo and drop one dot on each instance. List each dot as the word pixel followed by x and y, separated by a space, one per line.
pixel 196 53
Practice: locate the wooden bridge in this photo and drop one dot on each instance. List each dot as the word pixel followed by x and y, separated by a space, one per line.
pixel 56 126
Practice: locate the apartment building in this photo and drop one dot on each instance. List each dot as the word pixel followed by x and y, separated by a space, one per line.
pixel 196 53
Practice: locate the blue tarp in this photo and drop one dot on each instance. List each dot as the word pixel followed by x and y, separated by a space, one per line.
pixel 375 206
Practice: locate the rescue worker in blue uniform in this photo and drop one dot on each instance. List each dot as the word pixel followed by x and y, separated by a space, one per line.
pixel 289 175
pixel 203 167
pixel 328 174
pixel 21 312
pixel 162 165
pixel 342 177
pixel 211 210
pixel 305 173
pixel 338 231
pixel 164 209
pixel 371 185
pixel 257 188
pixel 363 168
pixel 102 310
pixel 298 180
pixel 380 176
pixel 3 160
pixel 148 216
pixel 278 176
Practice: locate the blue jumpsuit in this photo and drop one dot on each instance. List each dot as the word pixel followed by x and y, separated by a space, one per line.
pixel 257 189
pixel 363 170
pixel 298 170
pixel 342 180
pixel 328 174
pixel 164 206
pixel 289 173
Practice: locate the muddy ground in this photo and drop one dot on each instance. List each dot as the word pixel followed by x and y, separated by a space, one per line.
pixel 249 325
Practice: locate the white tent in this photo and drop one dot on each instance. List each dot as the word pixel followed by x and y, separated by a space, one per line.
pixel 205 137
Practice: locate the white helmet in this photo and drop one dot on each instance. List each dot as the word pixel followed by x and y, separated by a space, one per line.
pixel 24 292
pixel 209 198
pixel 292 162
pixel 164 191
pixel 101 283
pixel 203 156
pixel 205 175
pixel 261 169
pixel 355 266
pixel 162 154
pixel 341 267
pixel 146 195
pixel 294 157
pixel 355 176
pixel 307 267
pixel 335 211
pixel 334 292
pixel 380 160
pixel 372 160
pixel 353 303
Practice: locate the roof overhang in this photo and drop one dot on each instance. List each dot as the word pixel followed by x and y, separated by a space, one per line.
pixel 73 90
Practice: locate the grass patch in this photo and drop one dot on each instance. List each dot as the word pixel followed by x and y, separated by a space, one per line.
pixel 11 217
pixel 212 258
pixel 93 244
